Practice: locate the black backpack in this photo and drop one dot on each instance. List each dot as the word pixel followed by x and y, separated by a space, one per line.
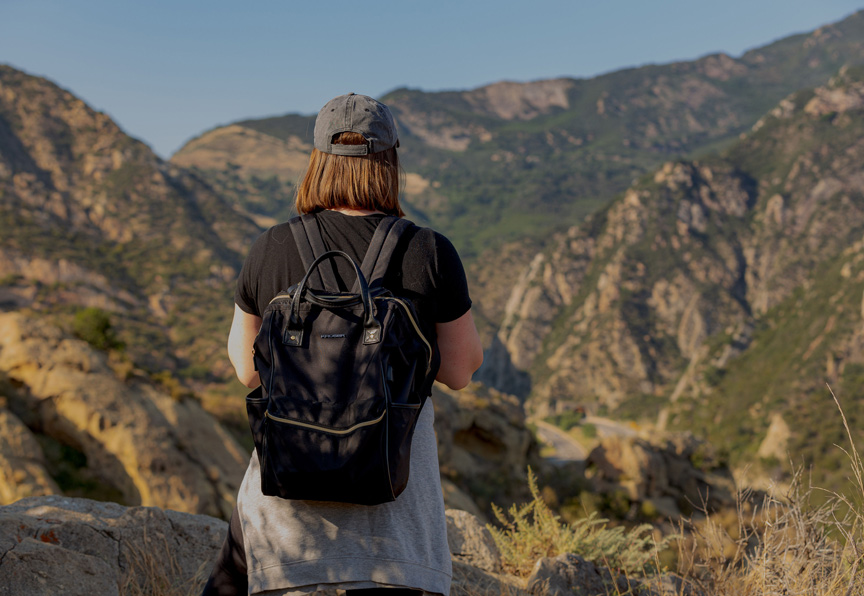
pixel 344 376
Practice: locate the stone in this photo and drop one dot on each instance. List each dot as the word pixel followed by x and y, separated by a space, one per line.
pixel 79 547
pixel 60 545
pixel 470 581
pixel 484 445
pixel 662 474
pixel 37 568
pixel 571 575
pixel 471 542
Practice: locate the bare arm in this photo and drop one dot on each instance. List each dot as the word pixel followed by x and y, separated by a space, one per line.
pixel 241 338
pixel 461 351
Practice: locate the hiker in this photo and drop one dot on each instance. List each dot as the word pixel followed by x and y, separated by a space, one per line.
pixel 278 546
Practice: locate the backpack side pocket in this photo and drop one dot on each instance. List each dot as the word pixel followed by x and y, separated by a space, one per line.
pixel 256 408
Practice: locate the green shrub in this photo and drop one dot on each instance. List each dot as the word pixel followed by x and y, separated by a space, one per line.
pixel 534 531
pixel 93 325
pixel 566 420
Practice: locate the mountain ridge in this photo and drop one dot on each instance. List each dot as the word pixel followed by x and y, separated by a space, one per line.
pixel 508 159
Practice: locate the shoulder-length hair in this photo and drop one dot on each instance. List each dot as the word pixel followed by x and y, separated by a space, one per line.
pixel 351 182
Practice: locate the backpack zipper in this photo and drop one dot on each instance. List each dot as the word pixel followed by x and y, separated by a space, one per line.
pixel 416 326
pixel 325 429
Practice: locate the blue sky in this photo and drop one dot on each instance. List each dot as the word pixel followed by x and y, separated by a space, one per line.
pixel 168 70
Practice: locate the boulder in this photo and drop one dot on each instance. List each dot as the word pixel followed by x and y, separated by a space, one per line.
pixel 470 581
pixel 471 542
pixel 79 547
pixel 60 545
pixel 571 575
pixel 34 567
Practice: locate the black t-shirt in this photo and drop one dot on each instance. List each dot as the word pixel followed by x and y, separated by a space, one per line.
pixel 425 266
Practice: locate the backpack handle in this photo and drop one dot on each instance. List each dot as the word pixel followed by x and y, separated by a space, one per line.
pixel 371 327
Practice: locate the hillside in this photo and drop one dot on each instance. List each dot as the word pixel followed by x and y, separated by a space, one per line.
pixel 92 218
pixel 725 291
pixel 511 160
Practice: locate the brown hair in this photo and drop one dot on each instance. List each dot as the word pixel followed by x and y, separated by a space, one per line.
pixel 351 182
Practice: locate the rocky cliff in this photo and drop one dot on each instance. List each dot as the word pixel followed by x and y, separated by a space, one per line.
pixel 713 284
pixel 137 443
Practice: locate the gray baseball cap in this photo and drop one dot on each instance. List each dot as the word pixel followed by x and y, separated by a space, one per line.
pixel 355 113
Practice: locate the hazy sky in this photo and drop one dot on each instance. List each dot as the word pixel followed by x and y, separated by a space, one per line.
pixel 168 70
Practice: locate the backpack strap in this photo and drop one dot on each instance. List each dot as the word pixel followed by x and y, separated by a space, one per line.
pixel 310 245
pixel 381 248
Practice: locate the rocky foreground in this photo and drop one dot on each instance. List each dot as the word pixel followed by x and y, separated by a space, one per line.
pixel 78 547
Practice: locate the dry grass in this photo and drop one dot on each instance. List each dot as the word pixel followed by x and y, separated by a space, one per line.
pixel 806 542
pixel 153 570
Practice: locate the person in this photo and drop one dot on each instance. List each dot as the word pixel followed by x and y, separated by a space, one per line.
pixel 286 547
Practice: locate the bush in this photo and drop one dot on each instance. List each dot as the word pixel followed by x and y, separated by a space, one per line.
pixel 93 325
pixel 566 420
pixel 534 531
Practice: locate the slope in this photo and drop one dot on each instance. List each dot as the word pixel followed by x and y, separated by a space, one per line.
pixel 724 291
pixel 91 217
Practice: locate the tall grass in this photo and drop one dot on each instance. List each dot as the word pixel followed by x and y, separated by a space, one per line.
pixel 153 569
pixel 809 541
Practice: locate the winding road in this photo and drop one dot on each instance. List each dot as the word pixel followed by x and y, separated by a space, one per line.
pixel 567 449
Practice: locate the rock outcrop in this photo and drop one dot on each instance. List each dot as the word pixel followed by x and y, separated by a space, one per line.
pixel 484 447
pixel 680 474
pixel 152 448
pixel 78 547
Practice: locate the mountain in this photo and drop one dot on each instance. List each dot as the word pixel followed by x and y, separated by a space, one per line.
pixel 511 160
pixel 501 168
pixel 92 217
pixel 724 291
pixel 681 238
